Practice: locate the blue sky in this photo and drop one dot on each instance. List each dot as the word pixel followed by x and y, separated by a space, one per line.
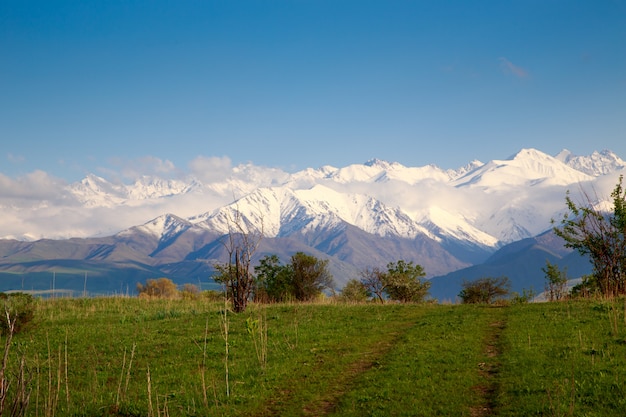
pixel 106 86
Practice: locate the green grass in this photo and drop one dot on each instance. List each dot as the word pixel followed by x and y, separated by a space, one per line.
pixel 564 359
pixel 92 357
pixel 431 369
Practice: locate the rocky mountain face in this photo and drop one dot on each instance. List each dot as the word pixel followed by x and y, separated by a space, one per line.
pixel 484 218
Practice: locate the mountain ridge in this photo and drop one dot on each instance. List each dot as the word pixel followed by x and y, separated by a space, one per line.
pixel 446 220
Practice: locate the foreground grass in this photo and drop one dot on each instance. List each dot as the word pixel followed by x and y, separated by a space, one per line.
pixel 134 357
pixel 432 369
pixel 564 359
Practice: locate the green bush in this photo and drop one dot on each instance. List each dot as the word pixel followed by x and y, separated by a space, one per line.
pixel 484 290
pixel 354 292
pixel 212 295
pixel 18 307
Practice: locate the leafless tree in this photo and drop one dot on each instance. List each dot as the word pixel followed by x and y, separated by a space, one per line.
pixel 241 242
pixel 375 282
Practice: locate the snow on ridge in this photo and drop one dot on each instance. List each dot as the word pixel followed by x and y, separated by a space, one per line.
pixel 149 187
pixel 595 165
pixel 380 197
pixel 527 167
pixel 96 191
pixel 459 172
pixel 363 211
pixel 259 211
pixel 358 173
pixel 282 211
pixel 161 227
pixel 455 225
pixel 413 175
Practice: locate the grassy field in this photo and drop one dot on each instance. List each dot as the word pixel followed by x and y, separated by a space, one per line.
pixel 137 357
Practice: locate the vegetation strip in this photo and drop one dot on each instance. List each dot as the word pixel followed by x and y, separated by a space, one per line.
pixel 489 369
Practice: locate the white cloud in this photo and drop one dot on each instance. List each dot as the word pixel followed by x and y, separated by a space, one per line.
pixel 132 169
pixel 210 169
pixel 37 185
pixel 509 68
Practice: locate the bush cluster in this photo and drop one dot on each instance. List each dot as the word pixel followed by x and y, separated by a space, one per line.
pixel 303 279
pixel 400 282
pixel 484 290
pixel 18 307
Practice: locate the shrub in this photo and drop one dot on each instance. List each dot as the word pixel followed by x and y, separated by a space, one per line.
pixel 20 308
pixel 158 288
pixel 354 291
pixel 556 282
pixel 404 283
pixel 212 295
pixel 190 292
pixel 484 290
pixel 524 298
pixel 601 235
pixel 401 282
pixel 588 287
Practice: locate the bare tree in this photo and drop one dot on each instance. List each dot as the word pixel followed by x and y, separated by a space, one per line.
pixel 375 282
pixel 241 243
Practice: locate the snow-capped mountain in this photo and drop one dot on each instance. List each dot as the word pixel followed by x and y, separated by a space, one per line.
pixel 281 212
pixel 447 218
pixel 527 168
pixel 596 164
pixel 486 204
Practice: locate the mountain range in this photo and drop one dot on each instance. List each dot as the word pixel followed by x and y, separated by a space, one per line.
pixel 483 219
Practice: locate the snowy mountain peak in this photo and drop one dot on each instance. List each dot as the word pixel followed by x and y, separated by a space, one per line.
pixel 283 212
pixel 596 164
pixel 457 173
pixel 564 155
pixel 94 191
pixel 528 167
pixel 380 164
pixel 149 187
pixel 487 203
pixel 162 227
pixel 374 161
pixel 528 153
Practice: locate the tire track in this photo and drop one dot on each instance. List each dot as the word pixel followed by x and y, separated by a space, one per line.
pixel 489 369
pixel 327 400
